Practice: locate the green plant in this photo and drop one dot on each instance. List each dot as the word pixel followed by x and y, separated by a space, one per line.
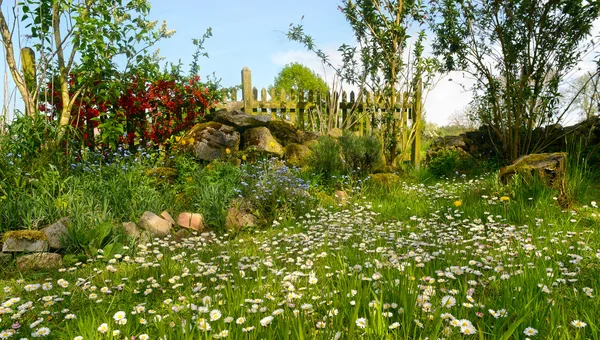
pixel 449 161
pixel 326 160
pixel 361 154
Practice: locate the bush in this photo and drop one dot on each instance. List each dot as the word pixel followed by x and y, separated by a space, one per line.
pixel 350 155
pixel 448 161
pixel 275 190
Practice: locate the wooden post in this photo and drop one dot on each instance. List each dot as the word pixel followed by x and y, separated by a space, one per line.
pixel 247 95
pixel 415 156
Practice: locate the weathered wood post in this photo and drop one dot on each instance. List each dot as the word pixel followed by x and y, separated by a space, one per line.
pixel 247 95
pixel 415 156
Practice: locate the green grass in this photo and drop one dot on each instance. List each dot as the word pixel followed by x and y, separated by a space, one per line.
pixel 385 261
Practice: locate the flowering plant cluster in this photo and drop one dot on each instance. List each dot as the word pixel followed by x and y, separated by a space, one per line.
pixel 135 111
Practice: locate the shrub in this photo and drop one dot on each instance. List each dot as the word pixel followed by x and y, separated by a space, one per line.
pixel 275 190
pixel 326 160
pixel 361 154
pixel 448 161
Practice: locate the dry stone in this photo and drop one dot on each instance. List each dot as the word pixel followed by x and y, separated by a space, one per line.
pixel 25 241
pixel 156 225
pixel 57 232
pixel 284 132
pixel 191 221
pixel 340 197
pixel 208 141
pixel 241 120
pixel 335 133
pixel 260 139
pixel 165 214
pixel 238 219
pixel 297 154
pixel 43 261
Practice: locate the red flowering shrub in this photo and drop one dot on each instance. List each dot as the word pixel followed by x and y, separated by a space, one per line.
pixel 137 111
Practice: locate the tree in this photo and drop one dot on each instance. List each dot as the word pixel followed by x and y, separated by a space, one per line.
pixel 585 93
pixel 518 51
pixel 379 65
pixel 296 76
pixel 78 42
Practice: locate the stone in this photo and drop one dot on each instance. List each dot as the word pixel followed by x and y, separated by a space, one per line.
pixel 284 132
pixel 260 139
pixel 335 133
pixel 156 225
pixel 340 197
pixel 297 154
pixel 25 241
pixel 209 141
pixel 57 232
pixel 385 179
pixel 311 144
pixel 449 141
pixel 241 120
pixel 181 234
pixel 191 221
pixel 238 218
pixel 130 229
pixel 550 167
pixel 306 136
pixel 40 261
pixel 165 214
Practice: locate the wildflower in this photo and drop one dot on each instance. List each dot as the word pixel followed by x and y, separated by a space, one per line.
pixel 215 315
pixel 227 151
pixel 361 322
pixel 530 331
pixel 448 301
pixel 394 325
pixel 243 157
pixel 79 337
pixel 240 321
pixel 120 318
pixel 320 324
pixel 457 203
pixel 578 324
pixel 505 198
pixel 266 321
pixel 103 328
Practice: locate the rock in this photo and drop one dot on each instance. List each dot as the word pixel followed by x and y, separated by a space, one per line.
pixel 158 226
pixel 340 197
pixel 5 258
pixel 241 120
pixel 260 139
pixel 25 241
pixel 385 179
pixel 57 232
pixel 182 234
pixel 130 229
pixel 209 141
pixel 163 174
pixel 165 214
pixel 297 154
pixel 284 132
pixel 311 144
pixel 306 136
pixel 550 167
pixel 44 261
pixel 335 133
pixel 449 141
pixel 191 221
pixel 238 218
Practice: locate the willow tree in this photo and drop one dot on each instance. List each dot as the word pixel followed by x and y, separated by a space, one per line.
pixel 386 62
pixel 518 52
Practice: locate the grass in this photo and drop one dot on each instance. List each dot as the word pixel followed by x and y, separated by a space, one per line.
pixel 420 259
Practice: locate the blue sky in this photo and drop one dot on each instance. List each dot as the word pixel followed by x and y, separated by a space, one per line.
pixel 253 34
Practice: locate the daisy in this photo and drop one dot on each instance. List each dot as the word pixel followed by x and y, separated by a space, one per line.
pixel 361 322
pixel 529 331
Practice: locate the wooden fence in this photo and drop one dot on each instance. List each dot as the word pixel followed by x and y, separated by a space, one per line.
pixel 311 111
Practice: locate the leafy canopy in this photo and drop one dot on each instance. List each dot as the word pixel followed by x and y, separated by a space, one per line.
pixel 295 76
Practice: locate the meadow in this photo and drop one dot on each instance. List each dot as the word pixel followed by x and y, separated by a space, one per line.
pixel 420 257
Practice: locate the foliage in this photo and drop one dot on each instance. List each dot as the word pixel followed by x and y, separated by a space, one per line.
pixel 585 91
pixel 326 160
pixel 381 30
pixel 518 54
pixel 210 190
pixel 446 162
pixel 78 54
pixel 295 76
pixel 275 190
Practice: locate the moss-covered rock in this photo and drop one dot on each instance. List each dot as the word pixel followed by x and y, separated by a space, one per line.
pixel 385 179
pixel 297 154
pixel 25 241
pixel 284 132
pixel 551 168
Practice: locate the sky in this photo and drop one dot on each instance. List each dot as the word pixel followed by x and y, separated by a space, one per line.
pixel 253 34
